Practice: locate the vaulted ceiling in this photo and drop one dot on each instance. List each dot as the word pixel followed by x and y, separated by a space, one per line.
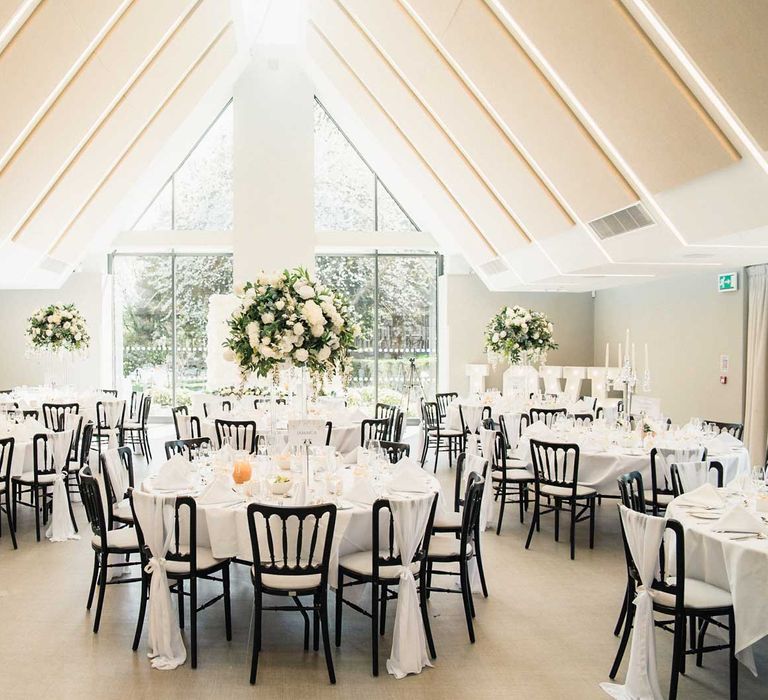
pixel 515 123
pixel 504 126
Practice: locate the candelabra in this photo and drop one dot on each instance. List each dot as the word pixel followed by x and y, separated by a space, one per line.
pixel 626 380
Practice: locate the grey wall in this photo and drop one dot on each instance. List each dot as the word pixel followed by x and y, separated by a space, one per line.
pixel 688 325
pixel 467 307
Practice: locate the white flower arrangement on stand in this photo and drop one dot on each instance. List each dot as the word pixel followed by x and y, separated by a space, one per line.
pixel 520 336
pixel 287 319
pixel 57 333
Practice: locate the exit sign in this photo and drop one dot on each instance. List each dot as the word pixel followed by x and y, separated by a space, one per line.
pixel 727 282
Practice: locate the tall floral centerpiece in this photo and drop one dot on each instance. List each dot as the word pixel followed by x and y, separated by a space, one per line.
pixel 57 333
pixel 523 337
pixel 287 319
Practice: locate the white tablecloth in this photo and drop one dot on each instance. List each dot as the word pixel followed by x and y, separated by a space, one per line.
pixel 739 566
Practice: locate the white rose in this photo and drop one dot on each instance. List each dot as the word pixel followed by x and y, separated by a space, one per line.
pixel 49 333
pixel 228 355
pixel 313 313
pixel 301 355
pixel 279 304
pixel 250 293
pixel 305 292
pixel 503 334
pixel 252 328
pixel 78 337
pixel 267 352
pixel 267 318
pixel 67 324
pixel 323 353
pixel 317 330
pixel 239 289
pixel 298 328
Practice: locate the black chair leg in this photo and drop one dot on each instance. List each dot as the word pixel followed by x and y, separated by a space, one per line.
pixel 622 613
pixel 425 616
pixel 521 501
pixel 94 578
pixel 534 520
pixel 102 591
pixel 315 623
pixel 733 663
pixel 466 594
pixel 678 653
pixel 375 628
pixel 502 503
pixel 339 607
pixel 256 635
pixel 383 612
pixel 142 611
pixel 557 519
pixel 326 639
pixel 592 516
pixel 623 643
pixel 573 529
pixel 36 499
pixel 227 603
pixel 180 595
pixel 193 618
pixel 11 522
pixel 479 560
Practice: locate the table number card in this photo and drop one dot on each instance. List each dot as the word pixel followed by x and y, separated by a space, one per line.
pixel 307 431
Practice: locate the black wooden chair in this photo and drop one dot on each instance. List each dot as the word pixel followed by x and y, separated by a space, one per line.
pixel 104 542
pixel 39 482
pixel 437 437
pixel 102 427
pixel 134 405
pixel 661 492
pixel 451 522
pixel 389 413
pixel 294 564
pixel 556 478
pixel 241 434
pixel 223 405
pixel 118 509
pixel 512 440
pixel 510 480
pixel 54 414
pixel 397 431
pixel 187 448
pixel 381 567
pixel 678 486
pixel 110 392
pixel 6 499
pixel 585 419
pixel 443 400
pixel 31 413
pixel 395 450
pixel 80 456
pixel 194 422
pixel 735 429
pixel 684 600
pixel 185 561
pixel 373 429
pixel 546 415
pixel 137 432
pixel 449 550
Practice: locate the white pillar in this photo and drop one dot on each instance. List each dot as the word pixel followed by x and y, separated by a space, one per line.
pixel 273 163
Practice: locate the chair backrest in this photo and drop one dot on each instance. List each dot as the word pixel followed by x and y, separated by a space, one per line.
pixel 373 429
pixel 389 413
pixel 103 416
pixel 86 438
pixel 687 476
pixel 443 400
pixel 188 447
pixel 470 515
pixel 489 424
pixel 396 450
pixel 126 462
pixel 6 459
pixel 225 405
pixel 546 415
pixel 193 421
pixel 241 434
pixel 735 429
pixel 384 551
pixel 555 464
pixel 462 463
pixel 513 439
pixel 589 400
pixel 430 414
pixel 661 481
pixel 599 412
pixel 136 402
pixel 631 491
pixel 584 419
pixel 31 413
pixel 53 414
pixel 90 493
pixel 146 405
pixel 110 392
pixel 292 541
pixel 44 454
pixel 397 430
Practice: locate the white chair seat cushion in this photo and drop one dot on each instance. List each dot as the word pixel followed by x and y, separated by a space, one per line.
pixel 29 478
pixel 122 538
pixel 448 520
pixel 565 492
pixel 446 433
pixel 289 583
pixel 122 510
pixel 132 426
pixel 663 498
pixel 446 547
pixel 513 475
pixel 205 560
pixel 698 594
pixel 362 563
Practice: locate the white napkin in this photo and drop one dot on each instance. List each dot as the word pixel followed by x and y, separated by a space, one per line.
pixel 538 430
pixel 410 477
pixel 300 493
pixel 705 496
pixel 219 492
pixel 224 455
pixel 361 491
pixel 723 443
pixel 738 519
pixel 174 475
pixel 356 416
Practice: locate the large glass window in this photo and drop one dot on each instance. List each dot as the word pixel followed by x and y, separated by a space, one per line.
pixel 161 313
pixel 348 194
pixel 198 195
pixel 395 297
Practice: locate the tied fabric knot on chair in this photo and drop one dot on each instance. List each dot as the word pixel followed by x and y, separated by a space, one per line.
pixel 61 528
pixel 644 534
pixel 409 639
pixel 155 517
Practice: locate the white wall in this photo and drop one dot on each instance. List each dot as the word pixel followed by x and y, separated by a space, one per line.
pixel 688 325
pixel 466 307
pixel 90 292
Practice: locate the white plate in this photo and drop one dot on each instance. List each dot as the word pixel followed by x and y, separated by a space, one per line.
pixel 705 515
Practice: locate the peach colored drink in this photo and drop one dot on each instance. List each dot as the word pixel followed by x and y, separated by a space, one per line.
pixel 242 471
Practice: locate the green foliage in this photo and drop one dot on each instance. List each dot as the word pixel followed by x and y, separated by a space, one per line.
pixel 58 327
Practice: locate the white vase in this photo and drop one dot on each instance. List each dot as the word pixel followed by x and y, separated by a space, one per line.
pixel 521 379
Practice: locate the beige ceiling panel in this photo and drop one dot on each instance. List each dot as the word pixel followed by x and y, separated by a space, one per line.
pixel 46 47
pixel 86 100
pixel 490 153
pixel 727 41
pixel 13 14
pixel 531 109
pixel 627 86
pixel 125 122
pixel 440 14
pixel 417 124
pixel 72 245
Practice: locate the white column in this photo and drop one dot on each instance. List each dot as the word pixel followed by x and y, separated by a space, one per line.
pixel 274 163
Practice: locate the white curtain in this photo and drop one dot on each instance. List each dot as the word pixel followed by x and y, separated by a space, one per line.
pixel 644 534
pixel 409 639
pixel 756 404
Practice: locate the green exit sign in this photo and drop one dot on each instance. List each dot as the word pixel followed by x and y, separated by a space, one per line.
pixel 727 282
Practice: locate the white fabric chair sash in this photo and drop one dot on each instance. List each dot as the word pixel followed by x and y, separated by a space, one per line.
pixel 667 456
pixel 185 426
pixel 476 463
pixel 512 423
pixel 644 534
pixel 155 517
pixel 113 412
pixel 473 415
pixel 61 527
pixel 118 476
pixel 693 474
pixel 473 445
pixel 409 639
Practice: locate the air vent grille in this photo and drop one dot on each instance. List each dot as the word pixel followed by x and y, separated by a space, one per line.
pixel 622 221
pixel 494 267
